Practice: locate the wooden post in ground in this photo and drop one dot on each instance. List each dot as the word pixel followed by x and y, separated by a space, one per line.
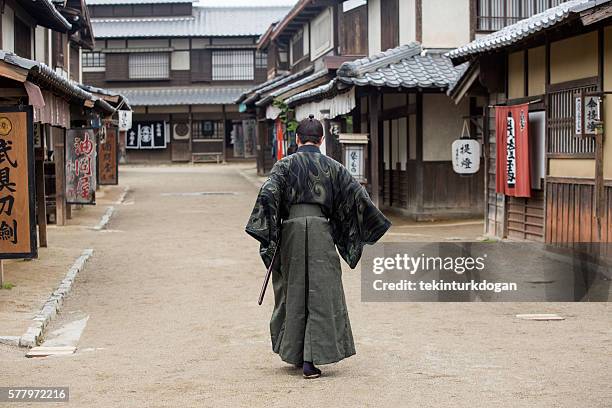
pixel 374 146
pixel 59 138
pixel 224 132
pixel 41 205
pixel 1 273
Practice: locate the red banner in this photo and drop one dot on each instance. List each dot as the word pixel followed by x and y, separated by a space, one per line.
pixel 279 140
pixel 512 137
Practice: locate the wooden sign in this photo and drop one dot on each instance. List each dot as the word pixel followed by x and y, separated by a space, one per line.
pixel 587 114
pixel 108 170
pixel 80 166
pixel 17 194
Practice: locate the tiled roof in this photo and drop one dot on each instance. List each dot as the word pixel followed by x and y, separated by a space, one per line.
pixel 41 74
pixel 205 22
pixel 255 89
pixel 46 14
pixel 106 92
pixel 406 66
pixel 212 95
pixel 318 91
pixel 524 28
pixel 291 86
pixel 253 94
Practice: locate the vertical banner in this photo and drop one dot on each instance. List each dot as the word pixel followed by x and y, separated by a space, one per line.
pixel 513 174
pixel 17 195
pixel 108 163
pixel 279 140
pixel 80 166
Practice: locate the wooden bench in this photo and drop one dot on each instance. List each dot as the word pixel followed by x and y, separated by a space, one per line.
pixel 206 157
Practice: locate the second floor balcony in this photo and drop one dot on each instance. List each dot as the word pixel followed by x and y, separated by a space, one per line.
pixel 493 15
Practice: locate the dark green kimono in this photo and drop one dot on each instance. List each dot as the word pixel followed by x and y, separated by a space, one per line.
pixel 311 205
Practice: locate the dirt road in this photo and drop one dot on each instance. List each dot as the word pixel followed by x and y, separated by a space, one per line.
pixel 170 294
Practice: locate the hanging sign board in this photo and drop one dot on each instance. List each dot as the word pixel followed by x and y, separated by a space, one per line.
pixel 17 195
pixel 587 115
pixel 80 166
pixel 125 120
pixel 147 135
pixel 108 163
pixel 466 156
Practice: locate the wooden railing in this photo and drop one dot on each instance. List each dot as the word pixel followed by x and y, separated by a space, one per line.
pixel 493 15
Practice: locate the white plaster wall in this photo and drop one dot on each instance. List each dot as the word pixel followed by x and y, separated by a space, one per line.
pixel 39 45
pixel 442 124
pixel 407 20
pixel 446 23
pixel 374 37
pixel 180 43
pixel 147 43
pixel 8 29
pixel 180 60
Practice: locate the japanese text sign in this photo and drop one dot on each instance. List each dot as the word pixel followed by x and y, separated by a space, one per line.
pixel 466 156
pixel 17 199
pixel 107 158
pixel 80 166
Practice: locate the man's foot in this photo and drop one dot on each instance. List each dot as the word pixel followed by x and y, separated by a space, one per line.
pixel 310 371
pixel 299 365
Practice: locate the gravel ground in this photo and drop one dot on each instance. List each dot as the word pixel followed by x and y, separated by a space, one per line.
pixel 173 322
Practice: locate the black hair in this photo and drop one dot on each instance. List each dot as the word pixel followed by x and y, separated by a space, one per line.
pixel 310 130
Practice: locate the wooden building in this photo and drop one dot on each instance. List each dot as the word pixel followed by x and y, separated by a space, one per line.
pixel 548 60
pixel 181 65
pixel 304 51
pixel 41 44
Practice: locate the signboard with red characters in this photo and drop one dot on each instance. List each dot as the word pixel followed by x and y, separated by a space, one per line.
pixel 80 166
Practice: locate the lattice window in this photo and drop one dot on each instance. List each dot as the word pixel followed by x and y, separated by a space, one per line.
pixel 207 129
pixel 562 139
pixel 233 65
pixel 493 15
pixel 261 60
pixel 94 59
pixel 154 65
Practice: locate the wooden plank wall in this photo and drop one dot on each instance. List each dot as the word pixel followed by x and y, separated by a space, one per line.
pixel 495 205
pixel 570 210
pixel 443 188
pixel 526 217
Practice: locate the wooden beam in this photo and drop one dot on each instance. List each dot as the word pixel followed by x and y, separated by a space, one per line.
pixel 13 72
pixel 41 213
pixel 373 105
pixel 60 166
pixel 12 92
pixel 419 152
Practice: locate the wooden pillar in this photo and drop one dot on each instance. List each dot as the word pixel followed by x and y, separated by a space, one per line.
pixel 419 152
pixel 374 98
pixel 59 137
pixel 224 133
pixel 261 143
pixel 41 206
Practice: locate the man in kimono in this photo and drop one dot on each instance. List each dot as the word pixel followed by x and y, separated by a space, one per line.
pixel 311 205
